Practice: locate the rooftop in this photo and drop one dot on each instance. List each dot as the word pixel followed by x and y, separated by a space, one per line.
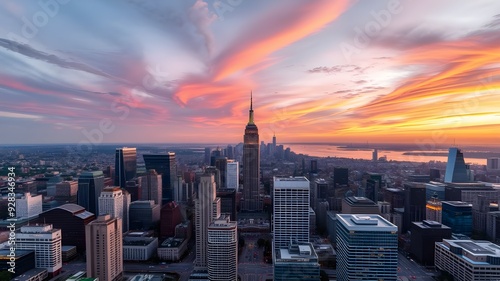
pixel 303 252
pixel 457 203
pixel 359 201
pixel 476 247
pixel 368 222
pixel 291 182
pixel 430 224
pixel 172 242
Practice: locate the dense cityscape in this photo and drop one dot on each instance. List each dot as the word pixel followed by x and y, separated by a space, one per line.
pixel 238 140
pixel 144 213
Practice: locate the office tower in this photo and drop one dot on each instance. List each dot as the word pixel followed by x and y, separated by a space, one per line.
pixel 28 206
pixel 179 189
pixel 90 186
pixel 434 174
pixel 229 152
pixel 467 192
pixel 127 199
pixel 314 166
pixel 232 175
pixel 46 242
pixel 223 250
pixel 71 220
pixel 208 153
pixel 395 197
pixel 24 261
pixel 134 189
pixel 290 211
pixel 456 170
pixel 105 248
pixel 468 260
pixel 372 186
pixel 170 217
pixel 458 216
pixel 214 155
pixel 424 236
pixel 151 187
pixel 216 172
pixel 493 164
pixel 367 248
pixel 493 226
pixel 297 262
pixel 143 215
pixel 228 202
pixel 207 208
pixel 165 165
pixel 480 209
pixel 125 165
pixel 251 165
pixel 415 202
pixel 375 155
pixel 340 176
pixel 66 191
pixel 320 192
pixel 433 209
pixel 221 165
pixel 435 189
pixel 321 217
pixel 359 205
pixel 111 203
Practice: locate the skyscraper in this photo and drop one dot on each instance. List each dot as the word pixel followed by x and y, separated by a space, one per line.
pixel 456 170
pixel 165 165
pixel 223 250
pixel 458 216
pixel 290 211
pixel 232 175
pixel 151 187
pixel 367 248
pixel 251 165
pixel 207 208
pixel 125 165
pixel 104 248
pixel 90 186
pixel 111 203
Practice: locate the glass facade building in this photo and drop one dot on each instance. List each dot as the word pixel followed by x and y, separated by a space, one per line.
pixel 367 248
pixel 458 216
pixel 165 165
pixel 90 186
pixel 125 165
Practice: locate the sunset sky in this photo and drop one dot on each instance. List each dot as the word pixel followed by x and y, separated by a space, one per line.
pixel 182 71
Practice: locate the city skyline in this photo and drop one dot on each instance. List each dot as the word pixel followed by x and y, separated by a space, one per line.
pixel 322 71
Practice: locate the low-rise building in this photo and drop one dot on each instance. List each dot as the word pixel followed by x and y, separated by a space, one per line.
pixel 172 249
pixel 468 260
pixel 137 247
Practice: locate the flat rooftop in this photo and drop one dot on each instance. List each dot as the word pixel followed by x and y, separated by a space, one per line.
pixel 368 222
pixel 476 247
pixel 457 203
pixel 172 242
pixel 300 253
pixel 291 182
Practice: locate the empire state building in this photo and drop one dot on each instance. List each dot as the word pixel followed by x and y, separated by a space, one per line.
pixel 251 165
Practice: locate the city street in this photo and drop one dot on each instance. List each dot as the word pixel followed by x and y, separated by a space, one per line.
pixel 411 270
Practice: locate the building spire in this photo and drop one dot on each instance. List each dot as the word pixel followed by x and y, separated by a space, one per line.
pixel 250 117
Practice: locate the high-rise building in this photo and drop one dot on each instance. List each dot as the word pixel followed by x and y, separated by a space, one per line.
pixel 105 248
pixel 90 186
pixel 170 217
pixel 359 205
pixel 456 170
pixel 468 260
pixel 28 206
pixel 415 202
pixel 207 208
pixel 434 209
pixel 297 262
pixel 340 176
pixel 493 226
pixel 165 165
pixel 367 248
pixel 290 211
pixel 251 165
pixel 424 235
pixel 143 214
pixel 46 242
pixel 208 153
pixel 66 191
pixel 125 165
pixel 493 164
pixel 228 202
pixel 232 175
pixel 458 216
pixel 127 199
pixel 223 250
pixel 151 187
pixel 221 165
pixel 111 203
